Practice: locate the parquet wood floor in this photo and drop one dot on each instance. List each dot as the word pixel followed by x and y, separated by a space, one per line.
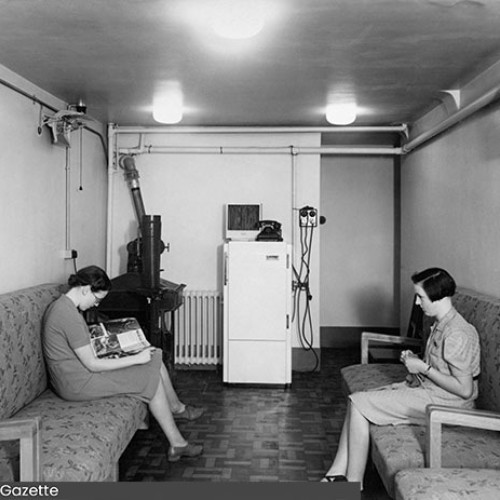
pixel 254 433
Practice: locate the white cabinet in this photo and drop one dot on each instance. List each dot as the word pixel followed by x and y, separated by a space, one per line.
pixel 257 300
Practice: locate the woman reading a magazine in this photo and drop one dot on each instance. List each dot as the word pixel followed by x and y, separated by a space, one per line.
pixel 77 374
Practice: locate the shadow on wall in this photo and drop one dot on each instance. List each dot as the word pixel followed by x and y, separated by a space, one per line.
pixel 373 310
pixel 374 307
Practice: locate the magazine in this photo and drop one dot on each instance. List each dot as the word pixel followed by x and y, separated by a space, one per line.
pixel 116 338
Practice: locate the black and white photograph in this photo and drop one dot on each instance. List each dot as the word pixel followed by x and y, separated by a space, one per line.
pixel 296 203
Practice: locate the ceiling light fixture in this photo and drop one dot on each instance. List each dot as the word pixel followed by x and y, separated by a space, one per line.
pixel 168 105
pixel 341 114
pixel 236 19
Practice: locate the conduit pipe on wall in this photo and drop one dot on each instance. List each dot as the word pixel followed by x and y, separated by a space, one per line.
pixel 293 157
pixel 260 130
pixel 44 104
pixel 31 97
pixel 220 150
pixel 110 211
pixel 67 215
pixel 461 114
pixel 417 141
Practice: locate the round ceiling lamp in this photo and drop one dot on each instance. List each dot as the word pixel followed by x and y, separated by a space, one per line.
pixel 168 104
pixel 341 114
pixel 237 20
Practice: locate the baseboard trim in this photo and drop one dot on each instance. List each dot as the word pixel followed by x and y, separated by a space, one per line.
pixel 306 360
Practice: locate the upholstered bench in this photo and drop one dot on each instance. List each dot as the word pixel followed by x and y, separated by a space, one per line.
pixel 42 437
pixel 443 484
pixel 458 438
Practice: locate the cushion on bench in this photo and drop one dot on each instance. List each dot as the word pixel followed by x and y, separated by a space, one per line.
pixel 357 378
pixel 452 484
pixel 92 434
pixel 397 447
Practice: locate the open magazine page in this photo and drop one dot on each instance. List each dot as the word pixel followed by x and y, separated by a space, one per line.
pixel 117 338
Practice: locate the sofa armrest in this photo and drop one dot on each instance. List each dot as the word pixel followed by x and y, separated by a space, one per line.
pixel 368 338
pixel 438 415
pixel 27 431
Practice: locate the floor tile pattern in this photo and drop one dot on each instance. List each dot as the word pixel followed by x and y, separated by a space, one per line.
pixel 253 433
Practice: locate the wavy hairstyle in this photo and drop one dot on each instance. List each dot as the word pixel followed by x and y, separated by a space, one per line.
pixel 93 276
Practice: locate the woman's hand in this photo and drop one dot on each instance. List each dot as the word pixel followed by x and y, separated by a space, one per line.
pixel 412 362
pixel 456 382
pixel 92 363
pixel 143 357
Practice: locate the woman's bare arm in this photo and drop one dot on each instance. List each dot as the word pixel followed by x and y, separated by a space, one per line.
pixel 456 383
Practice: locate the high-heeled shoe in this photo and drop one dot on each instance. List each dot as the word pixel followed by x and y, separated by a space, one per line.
pixel 190 413
pixel 333 478
pixel 175 453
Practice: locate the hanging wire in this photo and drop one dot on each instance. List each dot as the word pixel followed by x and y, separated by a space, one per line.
pixel 302 294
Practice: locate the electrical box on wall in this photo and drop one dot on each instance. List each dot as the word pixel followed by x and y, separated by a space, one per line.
pixel 69 254
pixel 308 217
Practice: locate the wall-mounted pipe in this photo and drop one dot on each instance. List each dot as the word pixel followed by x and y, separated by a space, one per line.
pixel 67 214
pixel 453 119
pixel 31 97
pixel 44 104
pixel 112 161
pixel 417 141
pixel 219 150
pixel 402 129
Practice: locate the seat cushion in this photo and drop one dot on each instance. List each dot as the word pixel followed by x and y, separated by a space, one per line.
pixel 364 377
pixel 448 484
pixel 82 441
pixel 395 448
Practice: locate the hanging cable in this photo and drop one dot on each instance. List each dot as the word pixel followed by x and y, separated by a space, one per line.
pixel 302 293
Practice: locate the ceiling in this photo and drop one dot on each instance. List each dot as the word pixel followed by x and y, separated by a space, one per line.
pixel 393 57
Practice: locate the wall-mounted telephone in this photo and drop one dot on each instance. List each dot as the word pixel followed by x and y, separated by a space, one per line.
pixel 270 230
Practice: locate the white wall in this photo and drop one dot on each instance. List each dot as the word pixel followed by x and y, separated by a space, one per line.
pixel 357 242
pixel 451 206
pixel 33 194
pixel 190 191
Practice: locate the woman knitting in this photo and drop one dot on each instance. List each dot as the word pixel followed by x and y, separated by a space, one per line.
pixel 446 374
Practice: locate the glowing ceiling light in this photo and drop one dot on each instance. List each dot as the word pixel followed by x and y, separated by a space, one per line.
pixel 235 19
pixel 168 105
pixel 341 114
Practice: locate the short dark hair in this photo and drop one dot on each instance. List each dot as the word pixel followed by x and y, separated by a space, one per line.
pixel 93 276
pixel 436 282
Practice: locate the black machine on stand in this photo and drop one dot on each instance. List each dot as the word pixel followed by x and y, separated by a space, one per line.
pixel 140 292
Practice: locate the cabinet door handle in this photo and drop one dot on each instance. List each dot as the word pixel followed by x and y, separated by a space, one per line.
pixel 226 270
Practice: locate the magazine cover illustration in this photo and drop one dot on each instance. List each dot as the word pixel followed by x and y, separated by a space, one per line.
pixel 117 338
